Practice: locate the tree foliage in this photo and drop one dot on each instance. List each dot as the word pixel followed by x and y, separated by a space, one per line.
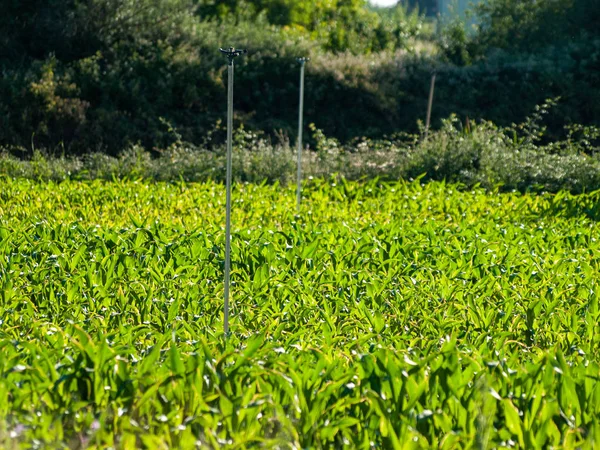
pixel 88 75
pixel 75 29
pixel 339 25
pixel 523 27
pixel 529 25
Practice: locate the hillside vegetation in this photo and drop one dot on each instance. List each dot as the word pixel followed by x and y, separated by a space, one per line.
pixel 83 76
pixel 485 155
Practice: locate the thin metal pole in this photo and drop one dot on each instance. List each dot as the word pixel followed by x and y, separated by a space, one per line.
pixel 429 105
pixel 231 54
pixel 302 62
pixel 228 199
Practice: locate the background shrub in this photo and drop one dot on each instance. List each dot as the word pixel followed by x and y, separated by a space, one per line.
pixel 507 158
pixel 83 76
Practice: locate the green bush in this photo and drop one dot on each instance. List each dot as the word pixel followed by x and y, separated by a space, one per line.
pixel 103 75
pixel 100 75
pixel 528 26
pixel 472 154
pixel 523 51
pixel 337 25
pixel 502 89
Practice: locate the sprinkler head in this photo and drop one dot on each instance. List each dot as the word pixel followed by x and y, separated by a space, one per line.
pixel 233 53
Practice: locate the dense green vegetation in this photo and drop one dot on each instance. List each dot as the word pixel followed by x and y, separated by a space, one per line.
pixel 337 25
pixel 82 76
pixel 482 154
pixel 436 289
pixel 529 26
pixel 95 75
pixel 383 315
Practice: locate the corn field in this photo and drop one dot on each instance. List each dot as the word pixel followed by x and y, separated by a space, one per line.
pixel 384 315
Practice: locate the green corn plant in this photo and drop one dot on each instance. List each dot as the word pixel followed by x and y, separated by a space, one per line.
pixel 388 315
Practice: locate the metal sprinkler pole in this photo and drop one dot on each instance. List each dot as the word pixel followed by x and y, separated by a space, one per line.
pixel 302 62
pixel 231 53
pixel 430 105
